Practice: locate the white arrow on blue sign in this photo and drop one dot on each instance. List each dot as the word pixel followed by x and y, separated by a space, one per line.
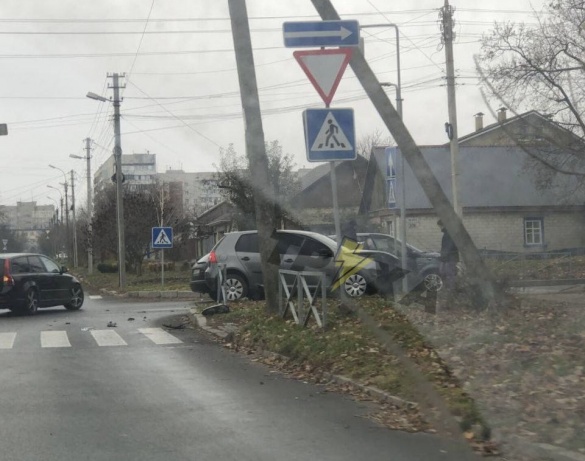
pixel 329 134
pixel 308 34
pixel 162 237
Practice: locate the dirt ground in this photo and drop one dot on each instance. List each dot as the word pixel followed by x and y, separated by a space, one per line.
pixel 525 366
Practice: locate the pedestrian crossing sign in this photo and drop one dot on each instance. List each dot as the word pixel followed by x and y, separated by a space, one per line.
pixel 329 134
pixel 162 237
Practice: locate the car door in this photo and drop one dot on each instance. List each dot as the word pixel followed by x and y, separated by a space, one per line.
pixel 20 271
pixel 248 258
pixel 48 289
pixel 60 283
pixel 315 256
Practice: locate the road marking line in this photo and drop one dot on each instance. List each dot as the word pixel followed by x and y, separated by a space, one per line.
pixel 107 338
pixel 54 339
pixel 7 340
pixel 159 336
pixel 95 297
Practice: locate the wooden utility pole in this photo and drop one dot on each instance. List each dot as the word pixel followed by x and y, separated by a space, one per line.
pixel 448 36
pixel 255 149
pixel 429 183
pixel 74 220
pixel 89 207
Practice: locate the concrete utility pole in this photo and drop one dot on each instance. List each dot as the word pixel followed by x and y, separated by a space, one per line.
pixel 74 220
pixel 89 207
pixel 119 191
pixel 448 36
pixel 412 154
pixel 255 149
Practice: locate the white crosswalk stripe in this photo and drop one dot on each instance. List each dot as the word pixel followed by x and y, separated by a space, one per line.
pixel 159 336
pixel 7 340
pixel 54 339
pixel 95 297
pixel 102 338
pixel 107 338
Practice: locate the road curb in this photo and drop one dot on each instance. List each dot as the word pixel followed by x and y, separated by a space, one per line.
pixel 379 394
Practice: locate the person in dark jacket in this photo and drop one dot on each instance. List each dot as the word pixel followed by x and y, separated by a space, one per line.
pixel 449 258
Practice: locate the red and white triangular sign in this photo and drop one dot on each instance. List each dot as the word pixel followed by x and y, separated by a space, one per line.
pixel 324 69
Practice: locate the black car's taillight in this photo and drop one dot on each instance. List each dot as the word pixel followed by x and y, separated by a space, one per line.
pixel 7 278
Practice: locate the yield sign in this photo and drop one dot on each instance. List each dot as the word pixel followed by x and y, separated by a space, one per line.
pixel 324 69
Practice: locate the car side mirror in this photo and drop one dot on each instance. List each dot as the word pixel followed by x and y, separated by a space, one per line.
pixel 63 270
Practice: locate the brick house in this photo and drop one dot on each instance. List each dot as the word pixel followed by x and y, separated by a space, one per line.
pixel 313 205
pixel 505 207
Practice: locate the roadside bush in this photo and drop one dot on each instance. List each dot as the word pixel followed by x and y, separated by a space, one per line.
pixel 155 266
pixel 107 268
pixel 185 266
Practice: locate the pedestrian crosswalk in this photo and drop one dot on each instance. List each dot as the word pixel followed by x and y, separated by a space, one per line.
pixel 57 339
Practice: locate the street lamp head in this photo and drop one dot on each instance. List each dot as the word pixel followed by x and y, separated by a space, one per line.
pixel 76 156
pixel 95 96
pixel 53 166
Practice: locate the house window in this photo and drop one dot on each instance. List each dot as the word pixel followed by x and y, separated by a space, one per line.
pixel 533 231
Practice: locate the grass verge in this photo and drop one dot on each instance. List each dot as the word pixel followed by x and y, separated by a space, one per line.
pixel 174 280
pixel 346 347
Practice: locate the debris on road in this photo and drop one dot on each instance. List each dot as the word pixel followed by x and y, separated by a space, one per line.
pixel 131 319
pixel 87 328
pixel 112 324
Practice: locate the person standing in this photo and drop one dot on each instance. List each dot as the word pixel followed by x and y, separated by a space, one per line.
pixel 448 259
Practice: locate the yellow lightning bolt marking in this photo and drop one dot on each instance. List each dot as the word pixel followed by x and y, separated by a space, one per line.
pixel 349 261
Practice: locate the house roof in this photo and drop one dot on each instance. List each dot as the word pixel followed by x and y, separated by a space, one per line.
pixel 489 177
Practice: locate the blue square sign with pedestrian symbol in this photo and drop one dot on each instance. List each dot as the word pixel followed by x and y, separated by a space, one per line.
pixel 162 237
pixel 329 134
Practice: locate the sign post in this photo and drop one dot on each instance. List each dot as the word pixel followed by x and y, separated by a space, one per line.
pixel 162 237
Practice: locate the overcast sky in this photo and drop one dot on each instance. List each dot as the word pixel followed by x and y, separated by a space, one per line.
pixel 181 99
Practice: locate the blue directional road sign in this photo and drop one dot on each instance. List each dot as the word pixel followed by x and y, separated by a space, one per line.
pixel 309 34
pixel 329 134
pixel 162 237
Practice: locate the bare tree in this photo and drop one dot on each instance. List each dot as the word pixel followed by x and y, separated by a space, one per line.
pixel 236 185
pixel 368 141
pixel 541 67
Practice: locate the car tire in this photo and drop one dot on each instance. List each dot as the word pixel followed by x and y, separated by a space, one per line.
pixel 77 298
pixel 432 281
pixel 355 285
pixel 236 288
pixel 31 303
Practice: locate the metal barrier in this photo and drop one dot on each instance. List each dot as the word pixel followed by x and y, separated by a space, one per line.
pixel 221 278
pixel 300 313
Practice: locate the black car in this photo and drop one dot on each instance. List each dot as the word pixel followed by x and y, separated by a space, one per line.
pixel 29 281
pixel 423 265
pixel 198 284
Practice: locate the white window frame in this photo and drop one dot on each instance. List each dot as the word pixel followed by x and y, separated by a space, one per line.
pixel 533 231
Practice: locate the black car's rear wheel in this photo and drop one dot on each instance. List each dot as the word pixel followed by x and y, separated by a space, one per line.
pixel 432 281
pixel 77 298
pixel 31 303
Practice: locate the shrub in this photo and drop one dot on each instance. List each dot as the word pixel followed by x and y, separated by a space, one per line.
pixel 107 268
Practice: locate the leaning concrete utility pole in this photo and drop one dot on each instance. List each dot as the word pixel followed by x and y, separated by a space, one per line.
pixel 255 149
pixel 448 36
pixel 429 183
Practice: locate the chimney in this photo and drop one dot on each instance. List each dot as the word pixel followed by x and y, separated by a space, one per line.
pixel 502 115
pixel 479 121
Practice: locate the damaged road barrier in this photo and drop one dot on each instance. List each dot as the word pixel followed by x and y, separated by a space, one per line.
pixel 222 306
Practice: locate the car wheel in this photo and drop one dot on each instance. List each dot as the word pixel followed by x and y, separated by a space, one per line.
pixel 355 285
pixel 77 298
pixel 432 281
pixel 236 288
pixel 31 304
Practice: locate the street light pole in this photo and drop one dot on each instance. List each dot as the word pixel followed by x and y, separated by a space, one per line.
pixel 398 86
pixel 89 204
pixel 74 220
pixel 118 159
pixel 66 209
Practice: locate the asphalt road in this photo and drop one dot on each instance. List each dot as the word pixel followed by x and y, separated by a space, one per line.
pixel 74 389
